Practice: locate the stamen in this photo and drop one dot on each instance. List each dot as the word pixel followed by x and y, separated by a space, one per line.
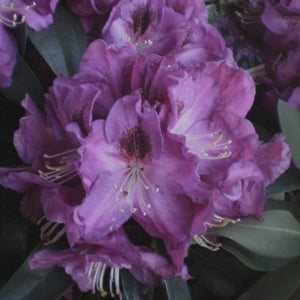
pixel 202 148
pixel 96 275
pixel 143 44
pixel 111 280
pixel 130 178
pixel 61 169
pixel 12 21
pixel 50 232
pixel 203 241
pixel 219 221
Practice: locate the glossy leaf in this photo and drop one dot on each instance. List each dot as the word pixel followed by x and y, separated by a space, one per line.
pixel 62 44
pixel 277 236
pixel 289 118
pixel 177 289
pixel 288 181
pixel 278 285
pixel 27 284
pixel 220 274
pixel 131 287
pixel 24 81
pixel 292 207
pixel 252 260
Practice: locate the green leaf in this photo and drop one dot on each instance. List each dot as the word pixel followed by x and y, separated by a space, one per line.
pixel 24 81
pixel 62 44
pixel 278 236
pixel 292 207
pixel 177 289
pixel 27 284
pixel 252 260
pixel 288 181
pixel 131 287
pixel 289 118
pixel 283 284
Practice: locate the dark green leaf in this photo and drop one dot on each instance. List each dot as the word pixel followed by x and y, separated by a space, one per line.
pixel 278 236
pixel 62 44
pixel 288 181
pixel 24 81
pixel 292 207
pixel 177 289
pixel 131 287
pixel 252 260
pixel 219 274
pixel 283 284
pixel 289 118
pixel 26 284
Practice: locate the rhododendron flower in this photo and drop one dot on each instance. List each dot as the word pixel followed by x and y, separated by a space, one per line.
pixel 51 184
pixel 151 26
pixel 130 168
pixel 88 263
pixel 213 124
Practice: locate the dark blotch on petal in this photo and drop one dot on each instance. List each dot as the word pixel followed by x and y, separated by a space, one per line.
pixel 135 143
pixel 78 118
pixel 142 17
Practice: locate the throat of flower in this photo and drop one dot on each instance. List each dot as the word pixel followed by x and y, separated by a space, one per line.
pixel 11 15
pixel 96 275
pixel 60 167
pixel 209 146
pixel 133 181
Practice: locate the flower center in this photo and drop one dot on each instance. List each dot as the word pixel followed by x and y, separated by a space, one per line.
pixel 60 167
pixel 134 143
pixel 96 277
pixel 133 178
pixel 211 142
pixel 11 15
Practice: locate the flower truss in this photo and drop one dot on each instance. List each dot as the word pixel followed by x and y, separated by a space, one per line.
pixel 151 133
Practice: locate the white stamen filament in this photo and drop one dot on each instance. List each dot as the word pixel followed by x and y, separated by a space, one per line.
pixel 13 21
pixel 61 171
pixel 219 221
pixel 202 148
pixel 134 177
pixel 203 241
pixel 96 275
pixel 49 231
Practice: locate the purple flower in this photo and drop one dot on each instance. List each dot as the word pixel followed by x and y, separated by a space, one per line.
pixel 231 158
pixel 130 169
pixel 48 142
pixel 88 263
pixel 151 26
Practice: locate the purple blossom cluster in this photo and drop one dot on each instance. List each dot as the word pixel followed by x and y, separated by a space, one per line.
pixel 150 135
pixel 277 25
